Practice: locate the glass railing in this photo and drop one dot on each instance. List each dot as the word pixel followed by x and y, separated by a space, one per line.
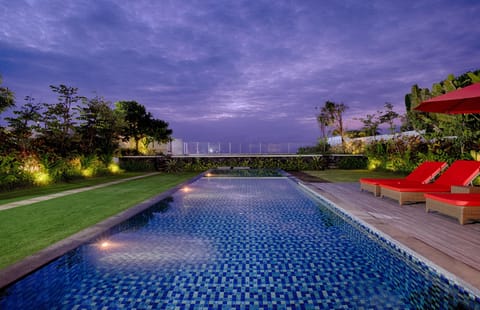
pixel 212 148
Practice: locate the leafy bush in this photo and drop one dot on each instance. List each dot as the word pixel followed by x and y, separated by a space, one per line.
pixel 137 164
pixel 29 170
pixel 200 164
pixel 353 162
pixel 321 148
pixel 172 165
pixel 405 153
pixel 400 154
pixel 12 174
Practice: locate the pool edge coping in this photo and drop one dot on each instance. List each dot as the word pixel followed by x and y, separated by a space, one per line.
pixel 30 264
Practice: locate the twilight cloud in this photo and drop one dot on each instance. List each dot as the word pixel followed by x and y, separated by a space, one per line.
pixel 246 71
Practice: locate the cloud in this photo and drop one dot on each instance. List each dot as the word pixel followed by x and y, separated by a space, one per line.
pixel 227 67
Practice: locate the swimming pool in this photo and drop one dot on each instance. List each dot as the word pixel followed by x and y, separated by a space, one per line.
pixel 236 243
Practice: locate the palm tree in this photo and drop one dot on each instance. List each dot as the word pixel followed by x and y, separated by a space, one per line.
pixel 334 115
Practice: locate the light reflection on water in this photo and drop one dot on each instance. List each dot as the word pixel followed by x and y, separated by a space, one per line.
pixel 131 252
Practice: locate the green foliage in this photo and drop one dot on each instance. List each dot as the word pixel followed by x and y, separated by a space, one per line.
pixel 59 121
pixel 137 164
pixel 474 78
pixel 322 147
pixel 200 164
pixel 136 120
pixel 100 128
pixel 11 173
pixel 401 154
pixel 437 126
pixel 370 125
pixel 172 165
pixel 308 150
pixel 24 125
pixel 405 153
pixel 353 162
pixel 331 114
pixel 75 137
pixel 389 116
pixel 372 122
pixel 7 98
pixel 158 131
pixel 140 124
pixel 17 170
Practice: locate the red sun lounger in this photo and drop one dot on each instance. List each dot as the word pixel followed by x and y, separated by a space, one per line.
pixel 460 173
pixel 424 173
pixel 463 207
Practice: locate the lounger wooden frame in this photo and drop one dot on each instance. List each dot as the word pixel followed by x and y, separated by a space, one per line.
pixel 402 197
pixel 462 213
pixel 370 187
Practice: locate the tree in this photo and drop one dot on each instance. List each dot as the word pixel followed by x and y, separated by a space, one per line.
pixel 7 98
pixel 438 126
pixel 388 117
pixel 140 124
pixel 158 131
pixel 25 124
pixel 419 121
pixel 100 128
pixel 136 120
pixel 370 124
pixel 323 120
pixel 334 114
pixel 59 120
pixel 429 121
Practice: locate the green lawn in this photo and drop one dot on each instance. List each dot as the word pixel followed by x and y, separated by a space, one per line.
pixel 339 175
pixel 28 229
pixel 31 192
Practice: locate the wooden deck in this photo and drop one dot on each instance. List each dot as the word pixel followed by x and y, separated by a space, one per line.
pixel 440 239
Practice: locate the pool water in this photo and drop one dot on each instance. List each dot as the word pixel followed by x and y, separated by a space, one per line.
pixel 240 243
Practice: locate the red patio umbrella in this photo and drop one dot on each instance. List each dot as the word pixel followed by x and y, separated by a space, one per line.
pixel 460 101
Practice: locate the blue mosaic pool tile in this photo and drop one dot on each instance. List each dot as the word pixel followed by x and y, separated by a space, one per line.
pixel 237 244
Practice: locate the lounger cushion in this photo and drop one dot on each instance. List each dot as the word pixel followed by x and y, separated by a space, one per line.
pixel 461 200
pixel 461 172
pixel 424 173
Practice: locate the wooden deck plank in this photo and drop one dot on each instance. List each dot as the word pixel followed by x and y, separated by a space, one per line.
pixel 440 239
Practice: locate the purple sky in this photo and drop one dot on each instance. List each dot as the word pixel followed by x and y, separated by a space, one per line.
pixel 239 71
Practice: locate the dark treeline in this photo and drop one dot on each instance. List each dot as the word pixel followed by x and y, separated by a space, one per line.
pixel 74 136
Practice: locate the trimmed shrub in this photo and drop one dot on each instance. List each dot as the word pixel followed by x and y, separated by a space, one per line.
pixel 137 164
pixel 200 164
pixel 353 162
